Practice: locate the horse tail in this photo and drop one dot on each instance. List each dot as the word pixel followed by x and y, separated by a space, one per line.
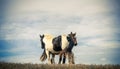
pixel 43 56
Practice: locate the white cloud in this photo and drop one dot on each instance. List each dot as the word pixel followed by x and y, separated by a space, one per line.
pixel 103 59
pixel 69 7
pixel 28 26
pixel 27 19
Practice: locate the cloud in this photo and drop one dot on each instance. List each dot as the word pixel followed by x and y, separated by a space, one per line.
pixel 31 27
pixel 22 59
pixel 92 55
pixel 26 20
pixel 21 51
pixel 75 7
pixel 91 30
pixel 20 47
pixel 103 59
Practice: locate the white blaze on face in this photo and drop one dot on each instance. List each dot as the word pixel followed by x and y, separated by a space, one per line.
pixel 48 42
pixel 64 42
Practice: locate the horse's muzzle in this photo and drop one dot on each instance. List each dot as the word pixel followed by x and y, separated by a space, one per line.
pixel 75 44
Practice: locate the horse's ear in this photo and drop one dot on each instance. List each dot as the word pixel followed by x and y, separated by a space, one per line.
pixel 40 36
pixel 74 34
pixel 43 35
pixel 71 33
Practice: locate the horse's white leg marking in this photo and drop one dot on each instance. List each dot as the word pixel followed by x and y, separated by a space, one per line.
pixel 53 56
pixel 48 55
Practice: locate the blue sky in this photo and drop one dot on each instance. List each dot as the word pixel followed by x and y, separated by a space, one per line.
pixel 96 23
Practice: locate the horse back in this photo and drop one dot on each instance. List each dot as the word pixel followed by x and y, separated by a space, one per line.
pixel 48 41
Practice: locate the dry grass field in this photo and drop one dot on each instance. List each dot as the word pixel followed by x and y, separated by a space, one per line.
pixel 55 66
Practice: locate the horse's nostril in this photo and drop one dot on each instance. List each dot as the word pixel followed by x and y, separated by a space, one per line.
pixel 75 44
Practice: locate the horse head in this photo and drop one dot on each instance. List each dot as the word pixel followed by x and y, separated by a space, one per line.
pixel 72 38
pixel 41 40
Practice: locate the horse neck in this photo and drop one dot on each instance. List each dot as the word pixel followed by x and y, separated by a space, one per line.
pixel 70 47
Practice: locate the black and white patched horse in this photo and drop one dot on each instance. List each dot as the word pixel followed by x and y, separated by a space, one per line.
pixel 61 45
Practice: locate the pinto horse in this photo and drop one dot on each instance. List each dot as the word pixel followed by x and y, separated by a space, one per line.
pixel 61 45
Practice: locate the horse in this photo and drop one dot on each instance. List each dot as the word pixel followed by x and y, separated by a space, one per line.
pixel 61 45
pixel 67 49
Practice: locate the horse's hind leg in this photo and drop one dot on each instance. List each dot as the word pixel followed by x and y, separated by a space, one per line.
pixel 52 60
pixel 48 55
pixel 64 58
pixel 60 58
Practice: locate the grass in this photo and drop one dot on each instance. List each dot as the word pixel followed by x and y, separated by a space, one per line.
pixel 55 66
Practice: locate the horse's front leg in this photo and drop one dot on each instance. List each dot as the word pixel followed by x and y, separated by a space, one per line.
pixel 48 55
pixel 73 61
pixel 71 58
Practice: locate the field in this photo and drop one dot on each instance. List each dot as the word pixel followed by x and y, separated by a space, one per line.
pixel 55 66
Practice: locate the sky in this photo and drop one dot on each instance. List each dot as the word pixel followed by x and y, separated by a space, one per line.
pixel 96 23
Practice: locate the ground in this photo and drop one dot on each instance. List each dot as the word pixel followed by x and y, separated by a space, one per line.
pixel 55 66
